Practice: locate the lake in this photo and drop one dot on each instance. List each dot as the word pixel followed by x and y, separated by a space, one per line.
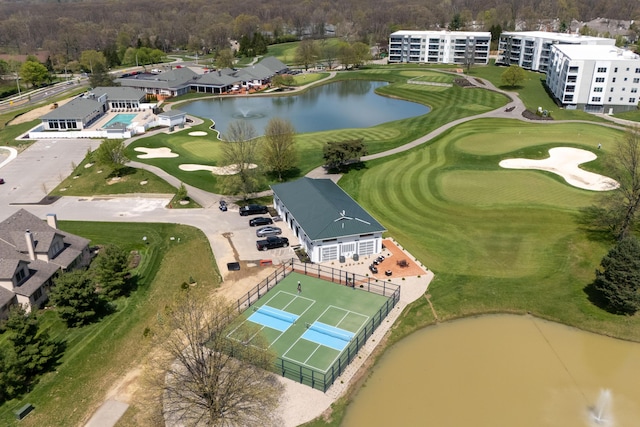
pixel 339 105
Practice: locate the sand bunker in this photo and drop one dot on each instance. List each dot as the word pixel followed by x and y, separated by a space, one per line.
pixel 224 170
pixel 564 161
pixel 155 153
pixel 197 133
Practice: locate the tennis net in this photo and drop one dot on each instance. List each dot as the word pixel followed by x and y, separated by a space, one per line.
pixel 278 314
pixel 332 332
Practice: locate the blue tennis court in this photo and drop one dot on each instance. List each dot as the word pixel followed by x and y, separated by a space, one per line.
pixel 327 335
pixel 273 318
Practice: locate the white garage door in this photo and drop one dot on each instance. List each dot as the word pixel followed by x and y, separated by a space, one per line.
pixel 366 247
pixel 329 253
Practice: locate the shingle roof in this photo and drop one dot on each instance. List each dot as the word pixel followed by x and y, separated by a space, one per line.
pixel 5 296
pixel 273 64
pixel 324 210
pixel 173 79
pixel 13 248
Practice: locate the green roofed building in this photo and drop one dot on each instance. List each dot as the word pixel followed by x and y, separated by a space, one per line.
pixel 329 224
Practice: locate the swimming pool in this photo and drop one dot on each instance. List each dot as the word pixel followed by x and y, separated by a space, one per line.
pixel 121 118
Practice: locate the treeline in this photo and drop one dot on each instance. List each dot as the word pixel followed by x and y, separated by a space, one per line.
pixel 67 28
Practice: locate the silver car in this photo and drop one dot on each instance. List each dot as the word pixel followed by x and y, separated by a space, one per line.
pixel 268 231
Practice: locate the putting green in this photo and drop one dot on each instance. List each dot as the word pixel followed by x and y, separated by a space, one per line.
pixel 510 188
pixel 487 137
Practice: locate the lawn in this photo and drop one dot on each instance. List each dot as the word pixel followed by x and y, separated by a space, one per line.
pixel 98 355
pixel 497 240
pixel 447 105
pixel 532 92
pixel 92 179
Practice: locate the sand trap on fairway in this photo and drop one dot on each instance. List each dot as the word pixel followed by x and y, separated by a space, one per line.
pixel 224 170
pixel 197 133
pixel 155 153
pixel 564 161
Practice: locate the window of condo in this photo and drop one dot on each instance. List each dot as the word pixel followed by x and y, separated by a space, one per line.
pixel 599 79
pixel 597 89
pixel 602 69
pixel 596 99
pixel 632 100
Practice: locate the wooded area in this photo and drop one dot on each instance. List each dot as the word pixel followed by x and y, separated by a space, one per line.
pixel 66 28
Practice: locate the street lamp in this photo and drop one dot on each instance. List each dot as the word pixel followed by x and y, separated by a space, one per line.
pixel 18 83
pixel 136 59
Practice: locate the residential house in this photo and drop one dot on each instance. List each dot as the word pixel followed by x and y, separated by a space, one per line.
pixel 32 253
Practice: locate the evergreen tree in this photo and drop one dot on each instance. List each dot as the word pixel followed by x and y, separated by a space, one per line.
pixel 34 351
pixel 12 379
pixel 75 298
pixel 110 270
pixel 619 280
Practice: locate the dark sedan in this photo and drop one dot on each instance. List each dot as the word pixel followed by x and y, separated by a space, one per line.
pixel 261 220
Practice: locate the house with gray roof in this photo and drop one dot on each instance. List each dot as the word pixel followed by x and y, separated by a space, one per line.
pixel 32 253
pixel 329 224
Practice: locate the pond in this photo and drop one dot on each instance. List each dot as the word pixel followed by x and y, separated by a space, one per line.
pixel 502 371
pixel 339 105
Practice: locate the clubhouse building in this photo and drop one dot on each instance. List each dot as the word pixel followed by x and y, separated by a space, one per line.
pixel 439 47
pixel 329 224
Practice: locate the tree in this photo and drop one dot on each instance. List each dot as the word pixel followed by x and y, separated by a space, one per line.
pixel 110 270
pixel 34 351
pixel 100 77
pixel 622 204
pixel 278 148
pixel 512 76
pixel 111 153
pixel 224 59
pixel 89 59
pixel 340 153
pixel 212 379
pixel 456 23
pixel 239 151
pixel 346 55
pixel 361 53
pixel 329 53
pixel 307 53
pixel 12 379
pixel 34 73
pixel 619 280
pixel 75 298
pixel 281 80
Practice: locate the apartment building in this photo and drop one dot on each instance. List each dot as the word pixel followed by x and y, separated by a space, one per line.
pixel 439 47
pixel 531 50
pixel 597 79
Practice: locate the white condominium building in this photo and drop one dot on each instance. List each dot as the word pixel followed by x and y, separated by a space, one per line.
pixel 440 47
pixel 531 49
pixel 597 79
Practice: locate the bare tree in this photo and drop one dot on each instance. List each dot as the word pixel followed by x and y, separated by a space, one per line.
pixel 624 167
pixel 278 148
pixel 239 151
pixel 219 375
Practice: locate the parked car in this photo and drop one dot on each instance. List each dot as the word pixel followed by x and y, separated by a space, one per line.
pixel 253 210
pixel 268 231
pixel 272 242
pixel 261 220
pixel 1 180
pixel 223 206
